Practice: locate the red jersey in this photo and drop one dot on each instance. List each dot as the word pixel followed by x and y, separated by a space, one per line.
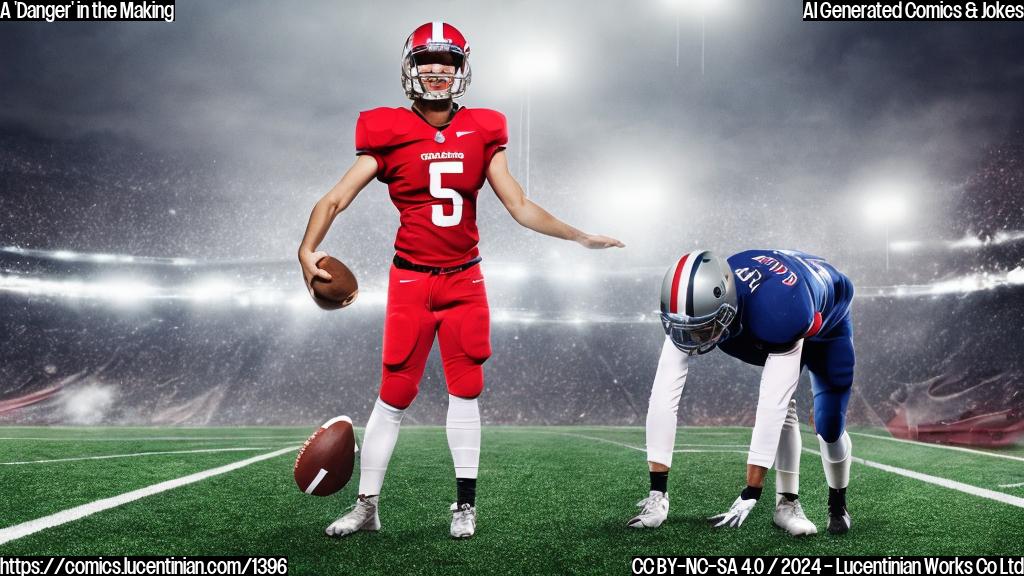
pixel 433 177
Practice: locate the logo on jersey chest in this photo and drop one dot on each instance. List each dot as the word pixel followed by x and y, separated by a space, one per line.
pixel 428 156
pixel 778 268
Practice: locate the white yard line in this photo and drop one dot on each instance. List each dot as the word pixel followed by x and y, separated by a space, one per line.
pixel 1017 485
pixel 78 512
pixel 144 439
pixel 944 482
pixel 942 446
pixel 638 448
pixel 135 455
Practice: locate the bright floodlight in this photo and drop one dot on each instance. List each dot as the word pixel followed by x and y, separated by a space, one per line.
pixel 126 292
pixel 533 66
pixel 885 209
pixel 632 196
pixel 210 290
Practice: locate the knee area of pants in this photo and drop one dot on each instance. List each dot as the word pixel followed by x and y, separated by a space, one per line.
pixel 462 397
pixel 836 450
pixel 467 390
pixel 475 335
pixel 400 338
pixel 396 397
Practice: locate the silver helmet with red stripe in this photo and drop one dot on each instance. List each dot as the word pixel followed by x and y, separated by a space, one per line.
pixel 698 301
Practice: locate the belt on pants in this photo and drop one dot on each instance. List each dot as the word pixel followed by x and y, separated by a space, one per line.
pixel 404 264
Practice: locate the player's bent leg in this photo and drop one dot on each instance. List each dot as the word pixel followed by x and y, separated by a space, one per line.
pixel 789 514
pixel 787 460
pixel 831 379
pixel 835 458
pixel 663 405
pixel 660 428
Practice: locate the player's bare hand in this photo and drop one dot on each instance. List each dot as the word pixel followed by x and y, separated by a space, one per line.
pixel 596 241
pixel 310 270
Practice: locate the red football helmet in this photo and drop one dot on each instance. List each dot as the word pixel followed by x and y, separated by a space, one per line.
pixel 422 47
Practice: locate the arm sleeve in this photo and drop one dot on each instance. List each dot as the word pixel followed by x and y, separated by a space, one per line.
pixel 778 382
pixel 663 407
pixel 364 144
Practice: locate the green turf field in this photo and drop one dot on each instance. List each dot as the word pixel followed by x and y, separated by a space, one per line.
pixel 550 499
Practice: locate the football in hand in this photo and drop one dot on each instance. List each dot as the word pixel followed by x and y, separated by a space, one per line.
pixel 325 462
pixel 338 292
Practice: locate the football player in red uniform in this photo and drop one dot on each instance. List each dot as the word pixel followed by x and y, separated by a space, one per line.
pixel 434 157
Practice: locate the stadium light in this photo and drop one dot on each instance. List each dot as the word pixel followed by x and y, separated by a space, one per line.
pixel 210 290
pixel 705 8
pixel 124 292
pixel 632 196
pixel 530 67
pixel 886 208
pixel 527 69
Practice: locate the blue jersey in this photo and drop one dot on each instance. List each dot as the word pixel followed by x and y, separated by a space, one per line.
pixel 783 296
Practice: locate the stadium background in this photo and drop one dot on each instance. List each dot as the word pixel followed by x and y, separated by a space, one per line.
pixel 155 180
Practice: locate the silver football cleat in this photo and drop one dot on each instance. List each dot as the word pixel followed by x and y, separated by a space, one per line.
pixel 463 520
pixel 790 517
pixel 362 516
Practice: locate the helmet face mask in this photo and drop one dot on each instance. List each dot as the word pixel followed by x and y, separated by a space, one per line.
pixel 698 302
pixel 431 44
pixel 698 335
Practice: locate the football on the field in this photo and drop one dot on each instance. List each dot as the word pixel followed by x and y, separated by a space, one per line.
pixel 325 462
pixel 338 292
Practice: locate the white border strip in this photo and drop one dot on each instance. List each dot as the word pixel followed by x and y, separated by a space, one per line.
pixel 70 515
pixel 145 439
pixel 137 454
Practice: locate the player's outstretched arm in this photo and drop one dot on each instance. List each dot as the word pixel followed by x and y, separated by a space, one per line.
pixel 326 209
pixel 529 214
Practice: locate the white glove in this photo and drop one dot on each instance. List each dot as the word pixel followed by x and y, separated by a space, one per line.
pixel 735 516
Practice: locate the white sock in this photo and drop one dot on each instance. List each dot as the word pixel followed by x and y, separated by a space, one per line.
pixel 835 458
pixel 378 444
pixel 463 428
pixel 787 460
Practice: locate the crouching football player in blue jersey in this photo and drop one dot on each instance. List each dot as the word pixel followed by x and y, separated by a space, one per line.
pixel 774 308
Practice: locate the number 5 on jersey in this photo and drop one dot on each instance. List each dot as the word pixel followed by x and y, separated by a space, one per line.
pixel 437 215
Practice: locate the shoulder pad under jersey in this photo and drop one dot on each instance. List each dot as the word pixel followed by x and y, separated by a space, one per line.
pixel 492 122
pixel 383 128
